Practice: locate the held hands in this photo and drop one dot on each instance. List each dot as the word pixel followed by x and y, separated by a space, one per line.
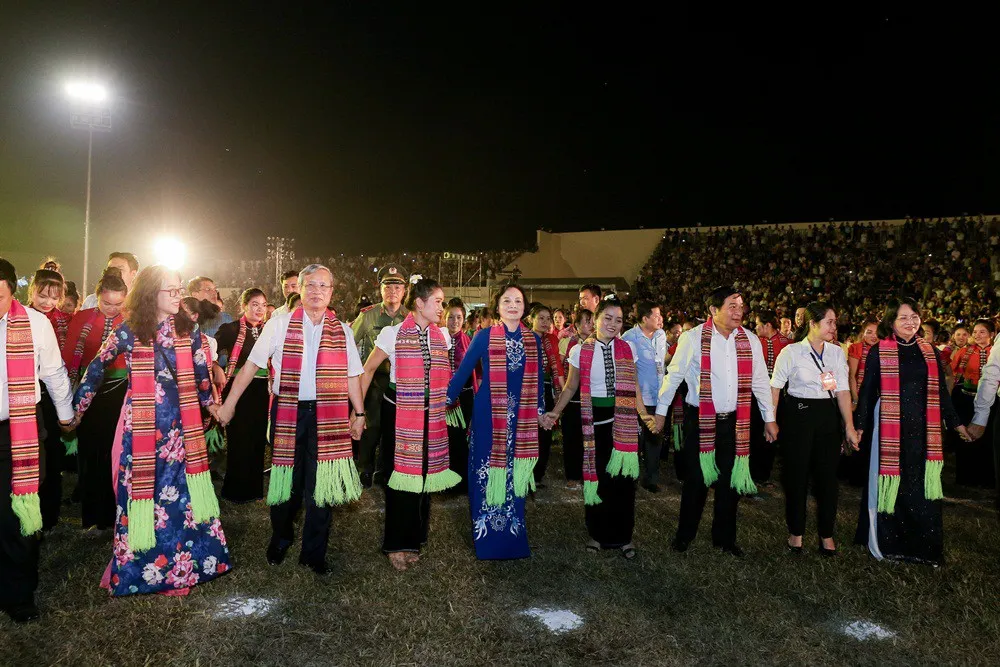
pixel 853 438
pixel 771 431
pixel 659 421
pixel 650 422
pixel 975 431
pixel 357 427
pixel 548 420
pixel 965 434
pixel 222 413
pixel 70 426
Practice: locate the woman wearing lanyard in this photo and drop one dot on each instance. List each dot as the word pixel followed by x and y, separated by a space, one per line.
pixel 815 370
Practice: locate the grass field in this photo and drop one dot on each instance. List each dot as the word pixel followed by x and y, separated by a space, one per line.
pixel 663 608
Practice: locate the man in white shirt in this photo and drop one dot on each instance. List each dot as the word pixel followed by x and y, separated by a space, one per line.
pixel 289 285
pixel 125 262
pixel 986 394
pixel 19 553
pixel 726 308
pixel 650 343
pixel 317 282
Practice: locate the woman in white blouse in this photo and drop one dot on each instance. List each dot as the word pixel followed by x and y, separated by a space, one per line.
pixel 610 517
pixel 818 401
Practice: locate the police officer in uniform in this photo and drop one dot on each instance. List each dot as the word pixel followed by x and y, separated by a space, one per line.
pixel 369 323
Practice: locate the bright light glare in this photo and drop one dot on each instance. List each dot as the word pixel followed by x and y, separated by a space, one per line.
pixel 169 252
pixel 87 91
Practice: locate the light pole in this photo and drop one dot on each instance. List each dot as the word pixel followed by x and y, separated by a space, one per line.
pixel 89 113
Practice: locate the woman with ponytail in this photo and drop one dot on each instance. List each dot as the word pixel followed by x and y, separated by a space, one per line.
pixel 902 404
pixel 604 368
pixel 167 535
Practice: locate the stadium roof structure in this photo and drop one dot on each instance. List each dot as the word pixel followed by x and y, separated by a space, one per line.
pixel 564 261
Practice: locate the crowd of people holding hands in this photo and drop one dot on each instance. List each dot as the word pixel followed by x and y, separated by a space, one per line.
pixel 139 389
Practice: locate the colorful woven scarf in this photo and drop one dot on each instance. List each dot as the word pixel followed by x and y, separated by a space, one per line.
pixel 414 385
pixel 890 429
pixel 865 347
pixel 89 329
pixel 526 438
pixel 23 425
pixel 461 343
pixel 970 377
pixel 625 431
pixel 553 363
pixel 740 478
pixel 204 505
pixel 60 324
pixel 337 480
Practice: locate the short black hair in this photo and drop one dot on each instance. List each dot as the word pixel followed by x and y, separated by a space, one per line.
pixel 718 296
pixel 593 289
pixel 891 310
pixel 769 317
pixel 645 308
pixel 132 260
pixel 8 274
pixel 494 309
pixel 289 274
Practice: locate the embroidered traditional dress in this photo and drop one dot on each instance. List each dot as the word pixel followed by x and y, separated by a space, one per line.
pixel 498 530
pixel 96 434
pixel 246 434
pixel 554 381
pixel 913 530
pixel 186 552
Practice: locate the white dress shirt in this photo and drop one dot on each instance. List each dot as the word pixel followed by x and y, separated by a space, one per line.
pixel 686 366
pixel 598 387
pixel 386 341
pixel 796 365
pixel 272 340
pixel 49 367
pixel 89 302
pixel 989 385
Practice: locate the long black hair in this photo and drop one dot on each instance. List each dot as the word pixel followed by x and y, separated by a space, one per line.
pixel 815 312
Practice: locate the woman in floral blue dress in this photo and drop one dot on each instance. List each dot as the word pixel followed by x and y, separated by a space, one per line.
pixel 186 551
pixel 498 532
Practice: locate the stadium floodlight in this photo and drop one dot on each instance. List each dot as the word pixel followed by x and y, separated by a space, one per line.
pixel 169 252
pixel 87 91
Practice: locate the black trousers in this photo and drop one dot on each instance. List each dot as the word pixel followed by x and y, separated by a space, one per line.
pixel 366 449
pixel 694 492
pixel 407 514
pixel 246 440
pixel 611 522
pixel 96 435
pixel 810 449
pixel 572 440
pixel 544 437
pixel 18 554
pixel 316 528
pixel 50 491
pixel 761 451
pixel 650 448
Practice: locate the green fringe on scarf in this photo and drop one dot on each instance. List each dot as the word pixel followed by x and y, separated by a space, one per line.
pixel 140 525
pixel 402 482
pixel 625 464
pixel 29 511
pixel 496 487
pixel 590 496
pixel 454 417
pixel 204 504
pixel 280 488
pixel 214 440
pixel 677 437
pixel 741 479
pixel 888 489
pixel 72 443
pixel 932 480
pixel 440 481
pixel 524 476
pixel 337 482
pixel 709 471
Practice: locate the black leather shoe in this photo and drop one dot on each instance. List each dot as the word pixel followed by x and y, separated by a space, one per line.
pixel 276 552
pixel 679 545
pixel 733 549
pixel 321 568
pixel 366 480
pixel 826 553
pixel 793 549
pixel 24 613
pixel 652 488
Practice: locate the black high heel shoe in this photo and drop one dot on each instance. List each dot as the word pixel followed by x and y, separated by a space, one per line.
pixel 826 553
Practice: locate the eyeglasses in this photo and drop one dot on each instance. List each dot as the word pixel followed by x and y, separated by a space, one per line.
pixel 908 318
pixel 318 287
pixel 173 293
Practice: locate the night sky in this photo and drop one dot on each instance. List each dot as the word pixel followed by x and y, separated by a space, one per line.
pixel 360 127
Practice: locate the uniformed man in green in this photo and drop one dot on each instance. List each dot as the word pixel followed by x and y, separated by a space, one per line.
pixel 367 325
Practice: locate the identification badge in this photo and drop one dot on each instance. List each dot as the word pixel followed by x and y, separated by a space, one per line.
pixel 828 381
